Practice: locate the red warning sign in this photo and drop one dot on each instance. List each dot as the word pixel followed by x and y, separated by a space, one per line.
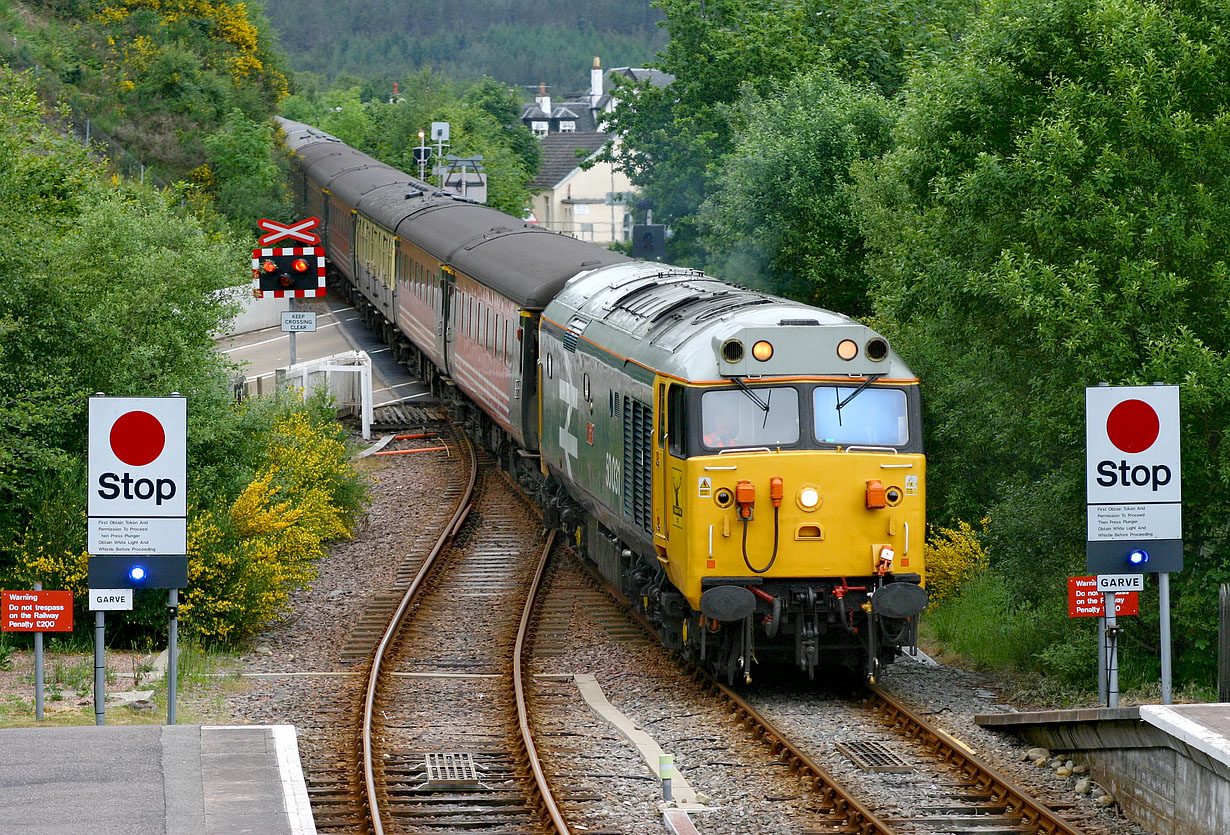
pixel 36 611
pixel 1085 601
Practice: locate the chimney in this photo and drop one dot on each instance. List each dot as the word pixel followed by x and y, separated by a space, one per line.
pixel 595 83
pixel 544 101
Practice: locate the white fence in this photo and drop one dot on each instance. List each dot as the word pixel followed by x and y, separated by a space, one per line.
pixel 347 376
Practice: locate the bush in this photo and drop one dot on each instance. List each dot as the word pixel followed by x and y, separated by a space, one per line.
pixel 987 626
pixel 246 559
pixel 953 556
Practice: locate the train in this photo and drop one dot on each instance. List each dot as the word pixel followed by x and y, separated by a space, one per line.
pixel 746 471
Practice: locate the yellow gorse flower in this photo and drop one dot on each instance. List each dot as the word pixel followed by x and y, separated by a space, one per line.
pixel 954 555
pixel 243 565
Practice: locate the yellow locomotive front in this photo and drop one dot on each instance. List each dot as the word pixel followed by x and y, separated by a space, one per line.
pixel 789 509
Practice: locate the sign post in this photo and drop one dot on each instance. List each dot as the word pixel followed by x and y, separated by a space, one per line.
pixel 137 509
pixel 36 611
pixel 1134 499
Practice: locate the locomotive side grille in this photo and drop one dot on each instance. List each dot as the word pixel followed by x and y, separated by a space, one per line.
pixel 638 428
pixel 571 338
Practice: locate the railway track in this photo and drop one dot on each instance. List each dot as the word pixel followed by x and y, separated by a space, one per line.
pixel 967 795
pixel 447 742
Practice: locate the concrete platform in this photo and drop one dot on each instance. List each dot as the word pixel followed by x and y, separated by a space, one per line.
pixel 153 780
pixel 1167 765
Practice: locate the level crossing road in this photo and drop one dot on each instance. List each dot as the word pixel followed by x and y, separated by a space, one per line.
pixel 261 353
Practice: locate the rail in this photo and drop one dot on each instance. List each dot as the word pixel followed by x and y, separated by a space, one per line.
pixel 463 510
pixel 550 807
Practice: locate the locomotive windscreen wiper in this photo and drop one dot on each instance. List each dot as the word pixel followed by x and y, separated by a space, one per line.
pixel 871 378
pixel 755 397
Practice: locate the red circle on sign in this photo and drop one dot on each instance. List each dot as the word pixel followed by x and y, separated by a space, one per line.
pixel 137 438
pixel 1132 426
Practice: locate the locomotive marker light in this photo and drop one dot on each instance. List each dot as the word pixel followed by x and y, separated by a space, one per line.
pixel 1134 502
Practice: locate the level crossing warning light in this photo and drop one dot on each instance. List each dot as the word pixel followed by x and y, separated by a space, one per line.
pixel 1138 557
pixel 288 272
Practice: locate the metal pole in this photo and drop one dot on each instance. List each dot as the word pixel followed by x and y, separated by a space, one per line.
pixel 422 156
pixel 1101 659
pixel 291 308
pixel 1163 612
pixel 1112 639
pixel 38 669
pixel 172 653
pixel 100 671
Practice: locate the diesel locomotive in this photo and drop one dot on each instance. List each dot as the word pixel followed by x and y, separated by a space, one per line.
pixel 746 471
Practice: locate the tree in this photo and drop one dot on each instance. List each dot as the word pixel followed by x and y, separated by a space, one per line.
pixel 780 214
pixel 248 184
pixel 1056 212
pixel 676 137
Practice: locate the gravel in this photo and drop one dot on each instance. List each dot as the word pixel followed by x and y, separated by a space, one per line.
pixel 747 789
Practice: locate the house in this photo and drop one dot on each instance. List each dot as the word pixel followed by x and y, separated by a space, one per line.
pixel 594 204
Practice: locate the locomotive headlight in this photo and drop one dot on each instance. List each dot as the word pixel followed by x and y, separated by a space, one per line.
pixel 847 349
pixel 808 497
pixel 762 350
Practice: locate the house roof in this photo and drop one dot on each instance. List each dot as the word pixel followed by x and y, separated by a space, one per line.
pixel 656 77
pixel 559 157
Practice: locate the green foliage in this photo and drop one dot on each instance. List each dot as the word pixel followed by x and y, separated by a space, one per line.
pixel 717 52
pixel 527 44
pixel 1056 212
pixel 482 118
pixel 245 182
pixel 989 627
pixel 115 290
pixel 153 77
pixel 245 560
pixel 780 216
pixel 731 50
pixel 954 556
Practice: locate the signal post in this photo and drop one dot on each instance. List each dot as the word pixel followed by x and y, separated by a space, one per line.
pixel 1134 505
pixel 294 272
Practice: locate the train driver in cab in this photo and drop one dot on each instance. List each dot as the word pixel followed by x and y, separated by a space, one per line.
pixel 721 428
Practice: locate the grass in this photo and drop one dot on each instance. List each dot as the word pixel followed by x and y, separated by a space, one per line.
pixel 206 678
pixel 1046 662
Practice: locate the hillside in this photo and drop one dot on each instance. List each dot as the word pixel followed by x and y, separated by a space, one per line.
pixel 516 42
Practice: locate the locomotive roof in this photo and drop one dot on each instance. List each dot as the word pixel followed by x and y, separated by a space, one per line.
pixel 677 321
pixel 523 262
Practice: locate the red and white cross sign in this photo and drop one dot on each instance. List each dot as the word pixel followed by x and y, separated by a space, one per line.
pixel 298 231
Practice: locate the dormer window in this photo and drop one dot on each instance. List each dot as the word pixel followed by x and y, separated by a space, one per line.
pixel 567 126
pixel 540 128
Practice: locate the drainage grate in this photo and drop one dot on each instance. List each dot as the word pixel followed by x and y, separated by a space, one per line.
pixel 451 770
pixel 872 756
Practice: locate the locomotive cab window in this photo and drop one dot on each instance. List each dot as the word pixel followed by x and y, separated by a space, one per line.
pixel 675 414
pixel 875 417
pixel 755 417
